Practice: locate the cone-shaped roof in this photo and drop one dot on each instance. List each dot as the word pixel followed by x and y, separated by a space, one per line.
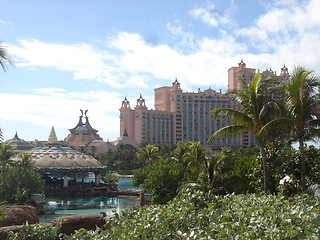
pixel 52 137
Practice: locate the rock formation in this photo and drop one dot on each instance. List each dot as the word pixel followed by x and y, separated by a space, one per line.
pixel 88 221
pixel 18 215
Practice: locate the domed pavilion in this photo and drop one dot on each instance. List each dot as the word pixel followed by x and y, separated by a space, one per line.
pixel 55 160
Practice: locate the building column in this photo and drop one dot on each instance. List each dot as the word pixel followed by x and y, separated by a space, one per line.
pixel 97 178
pixel 65 181
pixel 75 177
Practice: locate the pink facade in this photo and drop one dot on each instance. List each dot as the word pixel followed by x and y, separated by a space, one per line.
pixel 186 116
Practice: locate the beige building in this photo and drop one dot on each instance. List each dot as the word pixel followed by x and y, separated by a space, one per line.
pixel 186 116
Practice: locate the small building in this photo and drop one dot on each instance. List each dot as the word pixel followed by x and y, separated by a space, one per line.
pixel 19 144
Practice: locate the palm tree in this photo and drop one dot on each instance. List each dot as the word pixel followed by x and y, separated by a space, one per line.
pixel 180 151
pixel 195 157
pixel 222 176
pixel 4 57
pixel 6 153
pixel 301 102
pixel 1 136
pixel 24 162
pixel 256 108
pixel 148 153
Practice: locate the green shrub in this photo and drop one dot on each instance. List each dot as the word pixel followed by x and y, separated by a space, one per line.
pixel 194 214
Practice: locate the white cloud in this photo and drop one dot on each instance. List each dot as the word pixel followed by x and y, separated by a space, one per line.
pixel 59 108
pixel 287 33
pixel 213 16
pixel 282 25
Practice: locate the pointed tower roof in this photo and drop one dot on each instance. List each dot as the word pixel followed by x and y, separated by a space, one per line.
pixel 19 144
pixel 125 103
pixel 87 124
pixel 125 134
pixel 52 136
pixel 80 123
pixel 141 102
pixel 284 71
pixel 16 135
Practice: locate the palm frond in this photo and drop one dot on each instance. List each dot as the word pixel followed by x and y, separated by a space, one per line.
pixel 283 126
pixel 228 130
pixel 233 115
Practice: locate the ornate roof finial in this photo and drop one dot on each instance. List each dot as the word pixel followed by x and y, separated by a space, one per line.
pixel 125 134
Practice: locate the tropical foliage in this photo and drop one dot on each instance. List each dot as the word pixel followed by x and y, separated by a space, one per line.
pixel 122 159
pixel 301 103
pixel 161 179
pixel 1 136
pixel 257 109
pixel 17 178
pixel 197 215
pixel 4 57
pixel 148 153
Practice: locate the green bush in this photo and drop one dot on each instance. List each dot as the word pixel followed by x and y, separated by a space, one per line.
pixel 20 185
pixel 161 179
pixel 196 215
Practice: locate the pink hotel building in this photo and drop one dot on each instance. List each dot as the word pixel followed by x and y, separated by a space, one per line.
pixel 187 116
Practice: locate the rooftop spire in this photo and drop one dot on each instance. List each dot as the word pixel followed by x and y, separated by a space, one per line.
pixel 52 137
pixel 87 124
pixel 80 123
pixel 125 134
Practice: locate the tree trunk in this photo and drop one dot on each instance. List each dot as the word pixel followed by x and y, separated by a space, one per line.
pixel 303 165
pixel 265 169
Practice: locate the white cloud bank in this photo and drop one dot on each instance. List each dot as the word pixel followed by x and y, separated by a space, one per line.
pixel 59 108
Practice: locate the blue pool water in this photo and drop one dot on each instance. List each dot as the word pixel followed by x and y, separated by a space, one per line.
pixel 64 206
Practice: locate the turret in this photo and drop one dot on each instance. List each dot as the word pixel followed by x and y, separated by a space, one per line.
pixel 141 102
pixel 284 71
pixel 125 103
pixel 242 65
pixel 176 86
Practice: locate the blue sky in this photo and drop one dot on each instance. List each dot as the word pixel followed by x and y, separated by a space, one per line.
pixel 90 54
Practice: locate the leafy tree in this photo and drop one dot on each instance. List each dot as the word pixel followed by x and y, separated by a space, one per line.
pixel 21 184
pixel 122 159
pixel 256 111
pixel 160 178
pixel 149 153
pixel 301 103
